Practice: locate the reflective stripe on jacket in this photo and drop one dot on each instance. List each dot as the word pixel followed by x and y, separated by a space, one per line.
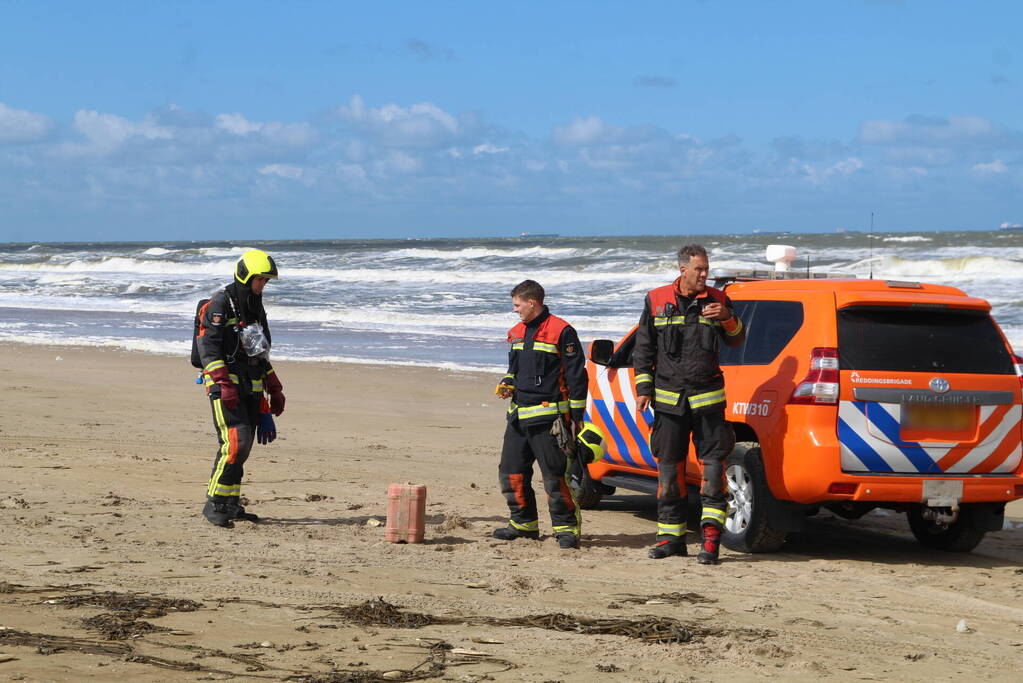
pixel 548 370
pixel 676 356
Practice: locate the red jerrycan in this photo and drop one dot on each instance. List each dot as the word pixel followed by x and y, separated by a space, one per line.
pixel 406 513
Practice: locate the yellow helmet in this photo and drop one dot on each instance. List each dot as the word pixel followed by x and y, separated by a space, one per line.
pixel 254 263
pixel 590 443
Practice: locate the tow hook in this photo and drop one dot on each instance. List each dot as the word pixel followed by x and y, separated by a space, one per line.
pixel 943 517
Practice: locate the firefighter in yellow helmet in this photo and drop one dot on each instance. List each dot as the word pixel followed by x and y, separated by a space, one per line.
pixel 233 345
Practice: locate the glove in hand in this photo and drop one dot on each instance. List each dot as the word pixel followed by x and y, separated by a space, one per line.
pixel 266 430
pixel 276 391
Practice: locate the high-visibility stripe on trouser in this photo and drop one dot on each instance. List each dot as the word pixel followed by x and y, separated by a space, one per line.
pixel 524 445
pixel 568 493
pixel 228 452
pixel 235 429
pixel 714 516
pixel 669 441
pixel 525 526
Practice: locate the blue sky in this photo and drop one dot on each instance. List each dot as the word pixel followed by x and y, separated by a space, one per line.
pixel 237 120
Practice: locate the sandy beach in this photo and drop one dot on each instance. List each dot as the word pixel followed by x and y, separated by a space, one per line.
pixel 105 455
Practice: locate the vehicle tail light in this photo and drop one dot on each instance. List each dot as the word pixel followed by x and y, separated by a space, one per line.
pixel 1019 490
pixel 842 487
pixel 820 386
pixel 1017 362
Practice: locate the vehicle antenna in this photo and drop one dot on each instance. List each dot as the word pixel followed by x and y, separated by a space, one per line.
pixel 808 266
pixel 871 261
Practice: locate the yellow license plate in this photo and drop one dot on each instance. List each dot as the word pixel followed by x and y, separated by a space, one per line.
pixel 939 418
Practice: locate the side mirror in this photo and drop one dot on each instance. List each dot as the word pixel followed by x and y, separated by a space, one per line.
pixel 601 351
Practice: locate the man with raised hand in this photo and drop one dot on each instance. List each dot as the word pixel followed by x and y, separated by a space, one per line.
pixel 678 370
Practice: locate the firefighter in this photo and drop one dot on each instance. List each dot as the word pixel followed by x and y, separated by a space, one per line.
pixel 677 369
pixel 546 383
pixel 233 344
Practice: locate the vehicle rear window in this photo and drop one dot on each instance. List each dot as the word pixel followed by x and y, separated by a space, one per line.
pixel 921 340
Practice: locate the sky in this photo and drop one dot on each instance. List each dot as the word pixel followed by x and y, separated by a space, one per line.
pixel 306 120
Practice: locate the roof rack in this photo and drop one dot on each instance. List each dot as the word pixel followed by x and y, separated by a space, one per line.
pixel 783 256
pixel 723 276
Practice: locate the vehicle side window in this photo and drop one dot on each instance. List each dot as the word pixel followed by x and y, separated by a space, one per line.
pixel 771 329
pixel 623 356
pixel 732 355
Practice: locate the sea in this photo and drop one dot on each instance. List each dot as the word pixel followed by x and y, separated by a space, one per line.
pixel 439 302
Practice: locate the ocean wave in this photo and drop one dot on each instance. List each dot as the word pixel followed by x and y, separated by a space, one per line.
pixel 123 264
pixel 181 349
pixel 907 238
pixel 976 267
pixel 483 252
pixel 445 322
pixel 499 278
pixel 390 362
pixel 157 346
pixel 157 251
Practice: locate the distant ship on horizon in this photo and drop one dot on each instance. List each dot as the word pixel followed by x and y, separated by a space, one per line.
pixel 539 234
pixel 1010 226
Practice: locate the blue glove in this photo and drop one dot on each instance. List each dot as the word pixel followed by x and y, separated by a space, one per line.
pixel 266 430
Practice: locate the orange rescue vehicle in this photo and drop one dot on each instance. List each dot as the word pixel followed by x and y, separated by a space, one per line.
pixel 847 395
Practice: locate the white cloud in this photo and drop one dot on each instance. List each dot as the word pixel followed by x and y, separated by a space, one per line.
pixel 583 131
pixel 421 125
pixel 288 134
pixel 396 161
pixel 919 129
pixel 18 125
pixel 487 148
pixel 107 132
pixel 282 170
pixel 846 167
pixel 237 124
pixel 996 166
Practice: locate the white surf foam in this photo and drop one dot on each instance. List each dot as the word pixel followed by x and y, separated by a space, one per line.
pixel 907 238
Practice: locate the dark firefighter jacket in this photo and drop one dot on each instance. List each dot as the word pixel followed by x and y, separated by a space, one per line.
pixel 676 356
pixel 218 342
pixel 547 369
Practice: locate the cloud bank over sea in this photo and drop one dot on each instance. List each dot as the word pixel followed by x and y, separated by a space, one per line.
pixel 366 164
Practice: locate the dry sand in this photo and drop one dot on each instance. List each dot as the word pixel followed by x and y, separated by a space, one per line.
pixel 104 458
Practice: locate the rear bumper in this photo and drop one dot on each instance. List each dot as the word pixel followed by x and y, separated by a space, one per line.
pixel 901 489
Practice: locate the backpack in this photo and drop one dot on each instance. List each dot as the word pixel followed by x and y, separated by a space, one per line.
pixel 200 311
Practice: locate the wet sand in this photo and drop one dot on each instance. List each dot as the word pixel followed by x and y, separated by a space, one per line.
pixel 104 457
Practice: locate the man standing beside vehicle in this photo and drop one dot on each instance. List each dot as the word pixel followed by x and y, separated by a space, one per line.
pixel 546 381
pixel 232 346
pixel 678 370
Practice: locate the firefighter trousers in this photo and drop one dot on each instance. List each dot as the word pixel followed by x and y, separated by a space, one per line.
pixel 236 430
pixel 524 444
pixel 714 440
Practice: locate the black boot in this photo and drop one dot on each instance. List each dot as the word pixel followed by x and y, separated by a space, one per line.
pixel 218 513
pixel 567 540
pixel 242 515
pixel 710 546
pixel 510 533
pixel 666 547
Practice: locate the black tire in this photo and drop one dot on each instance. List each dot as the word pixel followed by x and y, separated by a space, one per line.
pixel 584 489
pixel 747 528
pixel 961 536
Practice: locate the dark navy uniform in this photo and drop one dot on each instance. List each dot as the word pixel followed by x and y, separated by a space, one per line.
pixel 548 371
pixel 677 365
